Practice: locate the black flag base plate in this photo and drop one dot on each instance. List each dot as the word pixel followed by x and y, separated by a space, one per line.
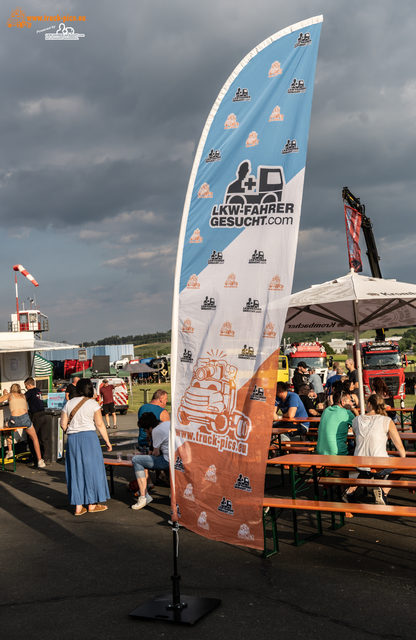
pixel 189 610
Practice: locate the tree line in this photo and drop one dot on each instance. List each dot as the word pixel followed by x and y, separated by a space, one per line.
pixel 145 338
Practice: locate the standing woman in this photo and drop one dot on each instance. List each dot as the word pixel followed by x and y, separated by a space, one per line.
pixel 20 418
pixel 84 466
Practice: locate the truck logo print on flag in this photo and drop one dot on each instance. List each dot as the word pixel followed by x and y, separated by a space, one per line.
pixel 202 520
pixel 231 282
pixel 247 353
pixel 187 356
pixel 204 191
pixel 249 199
pixel 275 70
pixel 209 404
pixel 252 306
pixel 231 122
pixel 291 146
pixel 258 394
pixel 242 95
pixel 276 116
pixel 269 331
pixel 196 237
pixel 193 282
pixel 303 40
pixel 187 326
pixel 227 331
pixel 257 258
pixel 213 156
pixel 244 533
pixel 297 86
pixel 216 258
pixel 226 506
pixel 211 474
pixel 275 284
pixel 252 139
pixel 179 465
pixel 189 493
pixel 242 483
pixel 208 304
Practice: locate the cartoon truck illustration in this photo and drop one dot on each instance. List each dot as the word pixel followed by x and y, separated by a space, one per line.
pixel 247 189
pixel 210 399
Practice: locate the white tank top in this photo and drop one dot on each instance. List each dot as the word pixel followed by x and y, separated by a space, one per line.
pixel 371 436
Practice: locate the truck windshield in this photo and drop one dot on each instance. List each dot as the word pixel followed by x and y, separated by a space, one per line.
pixel 312 363
pixel 382 361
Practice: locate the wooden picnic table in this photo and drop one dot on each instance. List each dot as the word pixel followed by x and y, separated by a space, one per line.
pixel 298 420
pixel 110 463
pixel 313 462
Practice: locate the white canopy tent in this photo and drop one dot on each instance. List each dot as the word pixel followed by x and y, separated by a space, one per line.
pixel 352 303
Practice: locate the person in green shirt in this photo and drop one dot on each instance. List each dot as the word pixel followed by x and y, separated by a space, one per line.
pixel 334 425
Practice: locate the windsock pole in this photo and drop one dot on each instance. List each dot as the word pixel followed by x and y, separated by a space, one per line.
pixel 16 268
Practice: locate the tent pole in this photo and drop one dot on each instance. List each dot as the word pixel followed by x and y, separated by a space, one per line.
pixel 359 369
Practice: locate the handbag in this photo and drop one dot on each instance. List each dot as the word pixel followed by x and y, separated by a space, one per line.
pixel 75 409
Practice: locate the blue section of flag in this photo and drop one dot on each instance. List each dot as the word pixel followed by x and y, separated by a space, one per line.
pixel 265 93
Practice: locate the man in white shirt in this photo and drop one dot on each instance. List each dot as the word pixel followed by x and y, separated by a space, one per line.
pixel 158 432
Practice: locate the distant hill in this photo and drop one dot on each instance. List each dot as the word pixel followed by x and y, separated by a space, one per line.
pixel 152 350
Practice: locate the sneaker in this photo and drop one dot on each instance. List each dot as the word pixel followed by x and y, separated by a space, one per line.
pixel 41 463
pixel 141 502
pixel 148 498
pixel 379 496
pixel 9 454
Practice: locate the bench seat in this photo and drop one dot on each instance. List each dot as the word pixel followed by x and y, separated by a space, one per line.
pixel 339 507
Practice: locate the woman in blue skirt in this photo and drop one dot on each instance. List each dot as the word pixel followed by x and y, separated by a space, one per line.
pixel 84 466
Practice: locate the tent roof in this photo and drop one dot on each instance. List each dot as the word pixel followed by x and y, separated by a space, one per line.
pixel 352 301
pixel 26 341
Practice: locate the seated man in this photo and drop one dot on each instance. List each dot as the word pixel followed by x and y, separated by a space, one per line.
pixel 157 405
pixel 309 399
pixel 334 425
pixel 158 432
pixel 291 406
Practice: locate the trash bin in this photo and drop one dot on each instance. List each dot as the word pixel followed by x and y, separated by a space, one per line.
pixel 55 433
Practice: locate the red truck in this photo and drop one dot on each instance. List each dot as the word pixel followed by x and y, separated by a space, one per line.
pixel 382 359
pixel 312 353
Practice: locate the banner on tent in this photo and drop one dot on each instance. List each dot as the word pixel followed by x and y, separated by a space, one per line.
pixel 234 276
pixel 353 226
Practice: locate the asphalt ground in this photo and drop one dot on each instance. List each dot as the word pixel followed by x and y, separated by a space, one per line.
pixel 74 578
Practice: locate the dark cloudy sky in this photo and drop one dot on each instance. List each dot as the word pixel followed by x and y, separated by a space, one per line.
pixel 98 137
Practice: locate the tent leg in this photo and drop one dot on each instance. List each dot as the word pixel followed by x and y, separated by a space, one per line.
pixel 359 369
